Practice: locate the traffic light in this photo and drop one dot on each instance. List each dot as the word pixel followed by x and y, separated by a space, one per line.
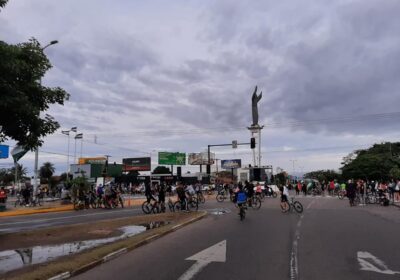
pixel 252 142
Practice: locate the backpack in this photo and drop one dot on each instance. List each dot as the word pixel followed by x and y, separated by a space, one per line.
pixel 241 197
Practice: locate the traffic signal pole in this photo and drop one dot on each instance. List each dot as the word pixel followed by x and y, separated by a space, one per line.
pixel 218 145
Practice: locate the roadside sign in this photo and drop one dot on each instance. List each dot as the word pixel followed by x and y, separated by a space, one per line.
pixel 92 160
pixel 231 163
pixel 200 158
pixel 4 150
pixel 167 158
pixel 138 164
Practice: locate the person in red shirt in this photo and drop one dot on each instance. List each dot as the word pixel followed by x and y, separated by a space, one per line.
pixel 331 187
pixel 3 195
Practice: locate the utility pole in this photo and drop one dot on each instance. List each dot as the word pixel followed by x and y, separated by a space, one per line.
pixel 35 183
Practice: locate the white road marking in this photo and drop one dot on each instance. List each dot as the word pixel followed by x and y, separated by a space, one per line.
pixel 215 253
pixel 294 267
pixel 369 262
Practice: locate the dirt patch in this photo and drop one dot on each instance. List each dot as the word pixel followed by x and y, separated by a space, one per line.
pixel 79 232
pixel 94 230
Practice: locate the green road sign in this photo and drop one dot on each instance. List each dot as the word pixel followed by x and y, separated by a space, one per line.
pixel 171 158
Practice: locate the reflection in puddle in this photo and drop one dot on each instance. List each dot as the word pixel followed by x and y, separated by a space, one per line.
pixel 14 259
pixel 220 211
pixel 152 225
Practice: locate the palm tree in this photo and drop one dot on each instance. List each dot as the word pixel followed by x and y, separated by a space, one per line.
pixel 47 170
pixel 21 172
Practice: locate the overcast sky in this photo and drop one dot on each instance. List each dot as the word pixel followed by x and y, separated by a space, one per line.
pixel 148 76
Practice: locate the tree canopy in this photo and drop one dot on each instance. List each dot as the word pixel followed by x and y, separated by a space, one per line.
pixel 47 170
pixel 323 175
pixel 24 100
pixel 161 170
pixel 380 162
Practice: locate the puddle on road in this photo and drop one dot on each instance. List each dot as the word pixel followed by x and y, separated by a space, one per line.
pixel 15 259
pixel 220 211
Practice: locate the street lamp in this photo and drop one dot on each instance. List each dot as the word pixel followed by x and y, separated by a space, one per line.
pixel 66 132
pixel 77 136
pixel 37 148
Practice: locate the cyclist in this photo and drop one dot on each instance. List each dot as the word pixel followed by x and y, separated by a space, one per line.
pixel 190 191
pixel 249 188
pixel 351 192
pixel 284 195
pixel 148 193
pixel 180 191
pixel 161 196
pixel 240 197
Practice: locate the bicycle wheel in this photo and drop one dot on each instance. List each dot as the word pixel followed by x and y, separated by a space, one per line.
pixel 298 207
pixel 202 199
pixel 178 206
pixel 155 208
pixel 146 207
pixel 242 213
pixel 285 206
pixel 121 201
pixel 220 197
pixel 256 203
pixel 274 194
pixel 194 204
pixel 171 206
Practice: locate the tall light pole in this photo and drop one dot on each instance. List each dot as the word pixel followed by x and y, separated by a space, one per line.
pixel 293 161
pixel 35 184
pixel 77 136
pixel 66 132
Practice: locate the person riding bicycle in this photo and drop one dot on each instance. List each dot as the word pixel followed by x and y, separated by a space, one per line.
pixel 240 197
pixel 180 191
pixel 284 194
pixel 161 193
pixel 351 191
pixel 148 193
pixel 249 188
pixel 190 191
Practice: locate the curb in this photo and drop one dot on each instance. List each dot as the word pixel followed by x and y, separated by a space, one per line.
pixel 61 276
pixel 115 254
pixel 129 203
pixel 36 211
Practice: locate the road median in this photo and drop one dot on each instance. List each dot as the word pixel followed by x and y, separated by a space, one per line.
pixel 78 263
pixel 58 208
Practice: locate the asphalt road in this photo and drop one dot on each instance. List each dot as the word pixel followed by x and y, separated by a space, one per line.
pixel 329 241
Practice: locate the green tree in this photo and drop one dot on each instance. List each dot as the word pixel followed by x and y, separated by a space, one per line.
pixel 374 163
pixel 23 97
pixel 161 170
pixel 281 178
pixel 21 172
pixel 3 3
pixel 323 175
pixel 47 170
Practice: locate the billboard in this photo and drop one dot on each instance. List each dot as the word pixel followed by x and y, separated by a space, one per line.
pixel 167 158
pixel 200 158
pixel 4 151
pixel 138 164
pixel 77 170
pixel 231 163
pixel 90 160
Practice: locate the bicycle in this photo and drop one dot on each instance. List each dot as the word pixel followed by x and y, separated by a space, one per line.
pixel 254 202
pixel 20 201
pixel 148 207
pixel 200 197
pixel 287 206
pixel 221 196
pixel 192 204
